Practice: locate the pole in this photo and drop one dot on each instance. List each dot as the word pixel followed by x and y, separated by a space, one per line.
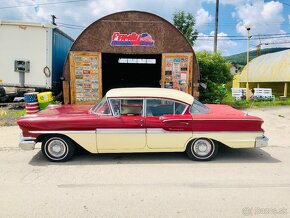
pixel 248 65
pixel 216 26
pixel 53 17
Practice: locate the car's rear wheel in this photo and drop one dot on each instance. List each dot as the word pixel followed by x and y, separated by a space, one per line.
pixel 58 148
pixel 202 149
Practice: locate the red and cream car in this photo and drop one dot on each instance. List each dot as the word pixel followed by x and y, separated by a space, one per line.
pixel 141 120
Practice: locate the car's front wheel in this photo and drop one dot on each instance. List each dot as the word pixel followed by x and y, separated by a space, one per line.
pixel 58 148
pixel 202 149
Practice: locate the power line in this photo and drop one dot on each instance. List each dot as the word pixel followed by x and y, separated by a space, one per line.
pixel 41 4
pixel 253 36
pixel 71 25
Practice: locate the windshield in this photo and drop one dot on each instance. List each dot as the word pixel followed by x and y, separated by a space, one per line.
pixel 102 108
pixel 198 108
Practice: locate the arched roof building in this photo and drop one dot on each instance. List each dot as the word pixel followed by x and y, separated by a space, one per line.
pixel 268 71
pixel 130 49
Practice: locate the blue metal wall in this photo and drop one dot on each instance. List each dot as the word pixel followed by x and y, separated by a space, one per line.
pixel 61 44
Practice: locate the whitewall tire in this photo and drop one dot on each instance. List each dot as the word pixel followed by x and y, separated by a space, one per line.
pixel 58 148
pixel 202 149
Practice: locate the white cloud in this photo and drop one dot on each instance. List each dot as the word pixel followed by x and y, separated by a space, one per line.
pixel 265 17
pixel 205 43
pixel 202 17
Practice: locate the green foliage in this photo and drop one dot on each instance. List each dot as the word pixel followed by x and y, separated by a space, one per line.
pixel 255 104
pixel 8 116
pixel 185 23
pixel 242 57
pixel 215 73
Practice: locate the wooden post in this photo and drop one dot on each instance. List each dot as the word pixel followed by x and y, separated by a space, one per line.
pixel 285 89
pixel 66 94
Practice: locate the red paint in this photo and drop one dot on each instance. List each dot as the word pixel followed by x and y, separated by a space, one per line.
pixel 78 117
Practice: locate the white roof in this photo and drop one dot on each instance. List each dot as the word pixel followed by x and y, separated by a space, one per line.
pixel 152 93
pixel 24 23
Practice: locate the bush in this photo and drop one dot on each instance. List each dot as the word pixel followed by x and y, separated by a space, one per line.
pixel 215 73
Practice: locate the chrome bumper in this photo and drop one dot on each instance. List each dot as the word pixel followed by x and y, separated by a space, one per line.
pixel 261 142
pixel 27 143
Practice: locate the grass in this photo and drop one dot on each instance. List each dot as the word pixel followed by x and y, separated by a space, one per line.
pixel 8 116
pixel 242 104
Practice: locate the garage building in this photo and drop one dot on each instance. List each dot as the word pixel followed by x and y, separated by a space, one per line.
pixel 128 49
pixel 267 71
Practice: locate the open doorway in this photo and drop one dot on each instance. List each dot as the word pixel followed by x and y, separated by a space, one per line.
pixel 130 70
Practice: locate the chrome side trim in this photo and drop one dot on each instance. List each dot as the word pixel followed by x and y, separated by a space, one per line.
pixel 64 132
pixel 121 131
pixel 229 132
pixel 163 131
pixel 28 138
pixel 169 120
pixel 225 119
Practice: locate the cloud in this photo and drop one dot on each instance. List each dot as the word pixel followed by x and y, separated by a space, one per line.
pixel 205 43
pixel 265 17
pixel 202 17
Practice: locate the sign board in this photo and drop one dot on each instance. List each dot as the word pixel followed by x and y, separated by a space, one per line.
pixel 132 39
pixel 177 71
pixel 86 77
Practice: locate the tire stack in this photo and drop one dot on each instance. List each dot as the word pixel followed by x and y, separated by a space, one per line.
pixel 31 103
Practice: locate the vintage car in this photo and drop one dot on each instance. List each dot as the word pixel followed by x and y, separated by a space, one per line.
pixel 141 120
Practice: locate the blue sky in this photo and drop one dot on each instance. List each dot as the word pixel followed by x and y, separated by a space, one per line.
pixel 267 17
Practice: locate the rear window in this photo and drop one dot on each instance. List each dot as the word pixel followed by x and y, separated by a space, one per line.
pixel 198 108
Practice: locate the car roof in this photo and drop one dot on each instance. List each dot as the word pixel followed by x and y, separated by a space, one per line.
pixel 150 93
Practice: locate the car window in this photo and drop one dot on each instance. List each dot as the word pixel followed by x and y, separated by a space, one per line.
pixel 102 108
pixel 160 107
pixel 127 107
pixel 198 108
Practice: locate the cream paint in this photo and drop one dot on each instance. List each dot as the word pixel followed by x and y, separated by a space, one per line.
pixel 86 140
pixel 110 142
pixel 121 139
pixel 232 139
pixel 160 139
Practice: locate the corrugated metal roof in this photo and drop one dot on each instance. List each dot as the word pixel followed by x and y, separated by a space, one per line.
pixel 274 67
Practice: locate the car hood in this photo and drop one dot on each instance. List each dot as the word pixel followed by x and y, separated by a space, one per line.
pixel 56 117
pixel 53 110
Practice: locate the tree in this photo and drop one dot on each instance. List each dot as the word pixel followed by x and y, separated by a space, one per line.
pixel 185 23
pixel 214 72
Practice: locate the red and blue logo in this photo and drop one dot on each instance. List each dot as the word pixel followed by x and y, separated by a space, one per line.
pixel 133 39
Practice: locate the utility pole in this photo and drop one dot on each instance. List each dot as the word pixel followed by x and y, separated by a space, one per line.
pixel 53 17
pixel 216 25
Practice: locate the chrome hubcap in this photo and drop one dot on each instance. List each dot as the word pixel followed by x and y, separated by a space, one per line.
pixel 202 147
pixel 56 148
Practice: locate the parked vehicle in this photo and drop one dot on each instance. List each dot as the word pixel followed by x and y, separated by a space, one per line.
pixel 141 120
pixel 32 55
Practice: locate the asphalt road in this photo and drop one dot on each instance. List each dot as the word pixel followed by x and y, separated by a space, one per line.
pixel 238 183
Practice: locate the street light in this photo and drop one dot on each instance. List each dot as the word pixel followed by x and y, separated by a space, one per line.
pixel 248 28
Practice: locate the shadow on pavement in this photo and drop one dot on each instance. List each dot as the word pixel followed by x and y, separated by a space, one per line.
pixel 225 155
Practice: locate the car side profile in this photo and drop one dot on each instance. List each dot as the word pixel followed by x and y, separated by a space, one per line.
pixel 131 120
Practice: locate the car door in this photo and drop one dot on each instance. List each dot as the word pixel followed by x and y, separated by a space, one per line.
pixel 167 125
pixel 125 130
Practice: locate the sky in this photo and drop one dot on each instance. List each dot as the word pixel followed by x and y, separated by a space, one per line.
pixel 269 19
